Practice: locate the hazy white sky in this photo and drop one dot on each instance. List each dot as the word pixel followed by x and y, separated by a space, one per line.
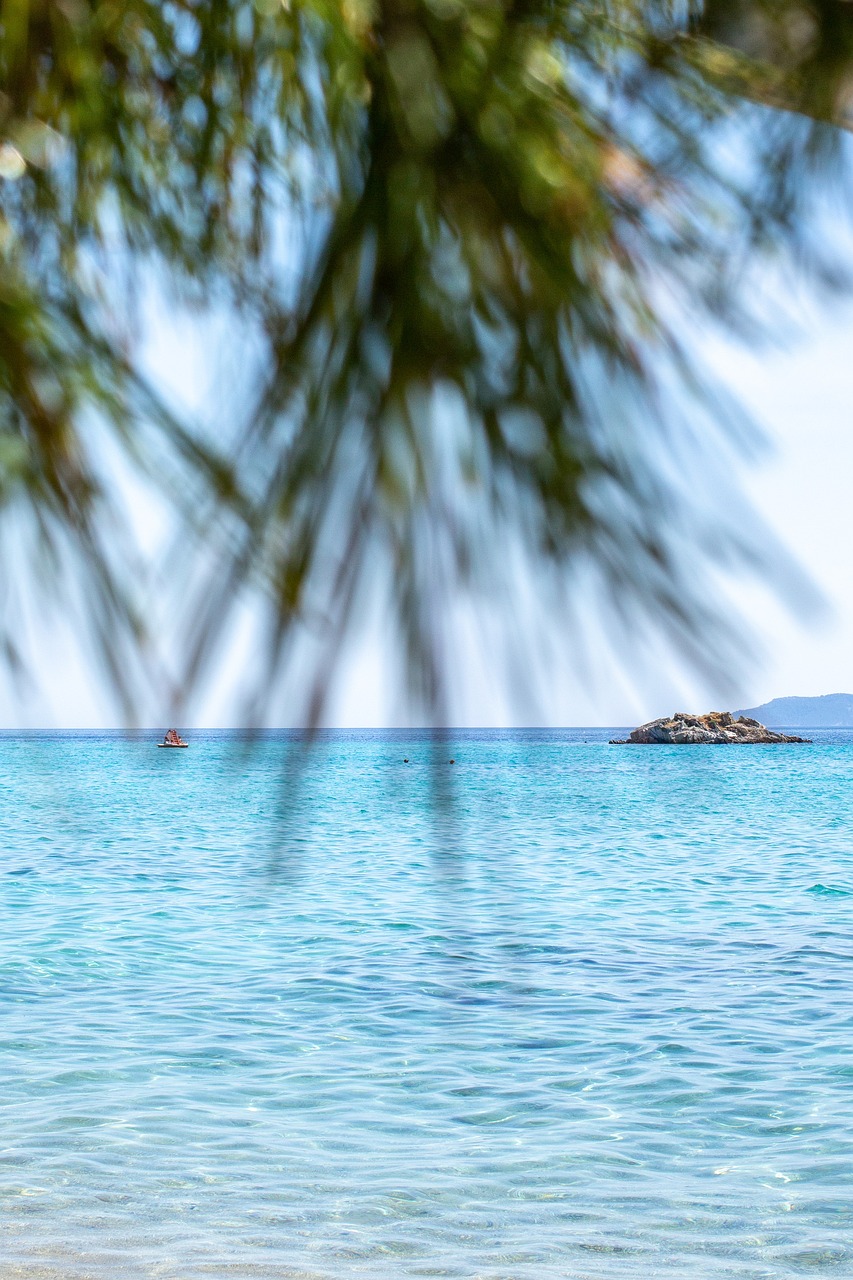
pixel 803 396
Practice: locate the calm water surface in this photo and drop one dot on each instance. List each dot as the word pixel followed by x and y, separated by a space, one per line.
pixel 598 1024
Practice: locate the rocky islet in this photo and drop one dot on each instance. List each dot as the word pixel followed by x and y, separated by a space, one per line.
pixel 718 728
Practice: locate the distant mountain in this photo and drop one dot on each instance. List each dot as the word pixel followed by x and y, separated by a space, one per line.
pixel 831 711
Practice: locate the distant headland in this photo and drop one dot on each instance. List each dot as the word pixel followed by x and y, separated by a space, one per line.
pixel 718 728
pixel 830 711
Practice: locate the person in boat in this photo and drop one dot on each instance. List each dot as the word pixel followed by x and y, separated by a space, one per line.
pixel 173 739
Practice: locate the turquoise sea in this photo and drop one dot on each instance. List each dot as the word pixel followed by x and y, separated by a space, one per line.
pixel 591 1019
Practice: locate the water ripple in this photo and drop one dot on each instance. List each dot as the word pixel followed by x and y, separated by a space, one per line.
pixel 596 1025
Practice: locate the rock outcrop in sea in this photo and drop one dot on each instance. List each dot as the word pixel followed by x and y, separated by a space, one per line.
pixel 718 728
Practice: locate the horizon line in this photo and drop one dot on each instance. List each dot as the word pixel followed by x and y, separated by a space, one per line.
pixel 421 728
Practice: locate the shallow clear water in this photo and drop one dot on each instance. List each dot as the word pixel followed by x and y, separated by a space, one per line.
pixel 597 1023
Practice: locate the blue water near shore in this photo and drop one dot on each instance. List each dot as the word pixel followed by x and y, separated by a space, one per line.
pixel 593 1021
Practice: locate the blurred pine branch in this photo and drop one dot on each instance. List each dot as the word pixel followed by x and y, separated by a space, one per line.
pixel 493 214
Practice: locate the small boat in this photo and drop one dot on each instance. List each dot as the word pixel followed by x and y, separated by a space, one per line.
pixel 173 739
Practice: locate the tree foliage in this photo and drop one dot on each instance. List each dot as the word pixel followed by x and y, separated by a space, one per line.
pixel 466 235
